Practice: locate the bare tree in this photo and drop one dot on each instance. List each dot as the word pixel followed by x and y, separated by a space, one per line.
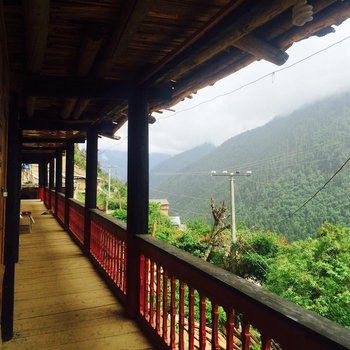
pixel 220 225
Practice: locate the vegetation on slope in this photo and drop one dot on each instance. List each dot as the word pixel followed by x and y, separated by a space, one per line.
pixel 291 157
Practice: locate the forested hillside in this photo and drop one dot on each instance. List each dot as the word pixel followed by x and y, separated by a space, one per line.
pixel 291 158
pixel 163 171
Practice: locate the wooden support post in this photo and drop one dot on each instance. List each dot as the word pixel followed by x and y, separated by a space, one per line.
pixel 58 188
pixel 51 179
pixel 69 179
pixel 45 179
pixel 41 180
pixel 12 222
pixel 91 184
pixel 138 187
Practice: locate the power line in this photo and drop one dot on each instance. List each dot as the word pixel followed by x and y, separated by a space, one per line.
pixel 315 194
pixel 258 79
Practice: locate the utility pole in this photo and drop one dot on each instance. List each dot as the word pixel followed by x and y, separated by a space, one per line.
pixel 232 193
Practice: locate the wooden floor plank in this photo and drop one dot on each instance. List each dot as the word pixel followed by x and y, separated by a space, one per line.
pixel 60 301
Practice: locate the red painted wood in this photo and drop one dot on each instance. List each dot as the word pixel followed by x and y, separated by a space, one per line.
pixel 151 296
pixel 202 323
pixel 76 222
pixel 41 193
pixel 245 335
pixel 215 326
pixel 158 300
pixel 142 285
pixel 173 313
pixel 119 266
pixel 181 315
pixel 146 309
pixel 265 343
pixel 124 266
pixel 165 307
pixel 191 318
pixel 230 325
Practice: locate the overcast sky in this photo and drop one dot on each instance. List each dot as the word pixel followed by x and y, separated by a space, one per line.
pixel 278 94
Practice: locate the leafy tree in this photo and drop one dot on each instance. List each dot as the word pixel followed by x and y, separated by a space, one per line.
pixel 255 251
pixel 315 273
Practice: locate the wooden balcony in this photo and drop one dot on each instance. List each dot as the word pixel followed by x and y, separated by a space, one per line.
pixel 60 300
pixel 182 302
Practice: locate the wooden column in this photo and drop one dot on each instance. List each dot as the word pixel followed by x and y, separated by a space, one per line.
pixel 91 184
pixel 69 193
pixel 51 178
pixel 45 179
pixel 138 197
pixel 58 188
pixel 12 222
pixel 41 180
pixel 59 171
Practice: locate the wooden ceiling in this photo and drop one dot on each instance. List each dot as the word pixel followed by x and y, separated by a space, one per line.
pixel 73 63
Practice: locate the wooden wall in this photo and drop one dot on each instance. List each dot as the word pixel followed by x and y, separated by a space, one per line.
pixel 4 98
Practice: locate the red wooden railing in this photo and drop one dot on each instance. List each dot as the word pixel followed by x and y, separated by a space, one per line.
pixel 108 248
pixel 76 219
pixel 187 303
pixel 53 201
pixel 47 197
pixel 41 193
pixel 61 205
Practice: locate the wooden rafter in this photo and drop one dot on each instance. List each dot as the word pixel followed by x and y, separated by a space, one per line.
pixel 231 63
pixel 262 49
pixel 215 42
pixel 130 18
pixel 90 46
pixel 37 17
pixel 76 87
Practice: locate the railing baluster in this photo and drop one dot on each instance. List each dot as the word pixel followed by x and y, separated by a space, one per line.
pixel 265 343
pixel 215 326
pixel 146 288
pixel 181 315
pixel 173 313
pixel 142 285
pixel 115 243
pixel 119 284
pixel 245 335
pixel 191 318
pixel 124 248
pixel 230 327
pixel 158 300
pixel 202 323
pixel 151 296
pixel 165 307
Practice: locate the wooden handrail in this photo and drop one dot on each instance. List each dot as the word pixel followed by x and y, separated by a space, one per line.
pixel 110 223
pixel 76 204
pixel 286 323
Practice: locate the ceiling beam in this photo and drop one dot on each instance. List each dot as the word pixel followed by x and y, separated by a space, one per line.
pixel 89 48
pixel 50 125
pixel 37 17
pixel 79 139
pixel 35 148
pixel 129 19
pixel 196 36
pixel 219 39
pixel 76 87
pixel 91 88
pixel 262 50
pixel 230 63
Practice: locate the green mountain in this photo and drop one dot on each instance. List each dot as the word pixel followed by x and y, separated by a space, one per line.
pixel 291 158
pixel 172 166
